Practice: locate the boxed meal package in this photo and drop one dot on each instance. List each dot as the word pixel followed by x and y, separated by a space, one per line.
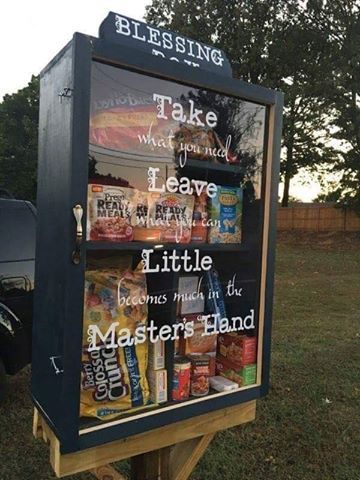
pixel 158 385
pixel 199 344
pixel 156 359
pixel 238 349
pixel 172 214
pixel 110 213
pixel 225 213
pixel 113 378
pixel 243 376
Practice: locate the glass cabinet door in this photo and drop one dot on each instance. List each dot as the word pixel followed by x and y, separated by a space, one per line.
pixel 174 240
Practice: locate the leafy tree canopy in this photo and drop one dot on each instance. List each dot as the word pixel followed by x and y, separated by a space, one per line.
pixel 19 114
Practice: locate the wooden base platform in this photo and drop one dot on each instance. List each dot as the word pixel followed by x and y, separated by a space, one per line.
pixel 178 447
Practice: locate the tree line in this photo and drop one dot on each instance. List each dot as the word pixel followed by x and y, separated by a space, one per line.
pixel 310 50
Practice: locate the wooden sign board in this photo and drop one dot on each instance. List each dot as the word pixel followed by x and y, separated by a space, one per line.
pixel 157 196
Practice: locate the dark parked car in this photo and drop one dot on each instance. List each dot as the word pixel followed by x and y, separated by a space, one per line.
pixel 17 261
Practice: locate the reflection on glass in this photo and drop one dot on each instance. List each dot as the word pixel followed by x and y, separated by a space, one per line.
pixel 178 170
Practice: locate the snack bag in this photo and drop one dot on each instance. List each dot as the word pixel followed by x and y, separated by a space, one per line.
pixel 172 214
pixel 113 378
pixel 225 211
pixel 110 211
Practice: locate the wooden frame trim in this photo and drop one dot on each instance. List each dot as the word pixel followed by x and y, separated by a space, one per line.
pixel 172 434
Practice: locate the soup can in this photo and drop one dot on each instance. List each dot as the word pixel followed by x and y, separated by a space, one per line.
pixel 200 374
pixel 181 379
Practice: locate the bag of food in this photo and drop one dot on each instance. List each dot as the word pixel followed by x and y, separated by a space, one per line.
pixel 110 212
pixel 113 378
pixel 172 214
pixel 225 212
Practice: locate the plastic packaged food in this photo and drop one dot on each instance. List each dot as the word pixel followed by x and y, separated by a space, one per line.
pixel 226 211
pixel 172 214
pixel 110 212
pixel 200 372
pixel 181 379
pixel 222 384
pixel 113 379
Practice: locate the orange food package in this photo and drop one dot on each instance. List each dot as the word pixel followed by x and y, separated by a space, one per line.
pixel 200 216
pixel 113 378
pixel 172 214
pixel 110 212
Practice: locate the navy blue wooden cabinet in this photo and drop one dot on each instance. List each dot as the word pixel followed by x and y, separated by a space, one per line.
pixel 96 108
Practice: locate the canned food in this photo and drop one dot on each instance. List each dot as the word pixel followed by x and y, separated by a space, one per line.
pixel 200 373
pixel 181 379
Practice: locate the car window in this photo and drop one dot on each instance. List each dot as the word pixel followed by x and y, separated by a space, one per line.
pixel 17 226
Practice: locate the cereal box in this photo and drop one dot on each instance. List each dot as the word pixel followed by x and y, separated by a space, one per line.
pixel 225 212
pixel 110 211
pixel 240 350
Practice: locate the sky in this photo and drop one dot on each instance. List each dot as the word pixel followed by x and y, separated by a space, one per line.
pixel 33 32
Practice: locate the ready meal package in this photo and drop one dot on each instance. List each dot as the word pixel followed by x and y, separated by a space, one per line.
pixel 225 212
pixel 172 214
pixel 113 379
pixel 110 213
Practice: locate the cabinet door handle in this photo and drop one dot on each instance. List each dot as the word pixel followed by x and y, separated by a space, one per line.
pixel 78 214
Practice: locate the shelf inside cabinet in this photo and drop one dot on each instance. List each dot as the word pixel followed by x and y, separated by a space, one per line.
pixel 136 246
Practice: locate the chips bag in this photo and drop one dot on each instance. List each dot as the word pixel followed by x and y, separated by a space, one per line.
pixel 113 378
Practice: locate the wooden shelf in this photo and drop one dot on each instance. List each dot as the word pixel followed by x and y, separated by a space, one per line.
pixel 135 246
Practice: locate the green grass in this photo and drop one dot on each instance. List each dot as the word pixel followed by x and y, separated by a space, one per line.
pixel 308 426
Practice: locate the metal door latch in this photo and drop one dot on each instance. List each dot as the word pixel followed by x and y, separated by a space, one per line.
pixel 56 362
pixel 78 214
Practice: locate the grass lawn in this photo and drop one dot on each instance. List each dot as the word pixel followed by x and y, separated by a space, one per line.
pixel 308 427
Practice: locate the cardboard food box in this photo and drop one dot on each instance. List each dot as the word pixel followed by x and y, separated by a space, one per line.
pixel 245 375
pixel 156 355
pixel 190 299
pixel 157 380
pixel 199 344
pixel 240 350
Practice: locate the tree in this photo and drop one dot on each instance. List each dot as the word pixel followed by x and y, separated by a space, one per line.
pixel 19 114
pixel 339 22
pixel 269 42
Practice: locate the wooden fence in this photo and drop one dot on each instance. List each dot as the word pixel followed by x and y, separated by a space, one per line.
pixel 317 217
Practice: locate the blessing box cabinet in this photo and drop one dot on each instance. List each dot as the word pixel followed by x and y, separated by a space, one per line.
pixel 100 124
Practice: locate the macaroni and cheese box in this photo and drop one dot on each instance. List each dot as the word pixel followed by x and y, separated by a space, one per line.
pixel 243 376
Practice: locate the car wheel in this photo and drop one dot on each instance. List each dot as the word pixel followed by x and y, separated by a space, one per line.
pixel 2 380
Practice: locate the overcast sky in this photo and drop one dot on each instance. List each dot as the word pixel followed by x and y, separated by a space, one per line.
pixel 33 31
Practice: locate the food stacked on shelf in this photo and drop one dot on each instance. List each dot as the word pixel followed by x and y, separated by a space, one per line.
pixel 122 214
pixel 223 362
pixel 113 378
